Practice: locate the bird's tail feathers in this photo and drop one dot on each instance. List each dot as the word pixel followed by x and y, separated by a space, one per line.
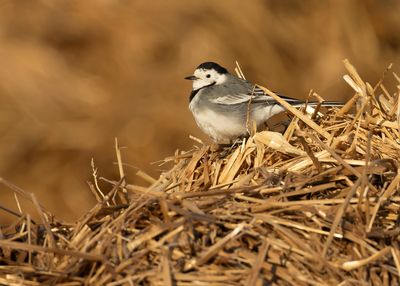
pixel 311 106
pixel 332 103
pixel 324 103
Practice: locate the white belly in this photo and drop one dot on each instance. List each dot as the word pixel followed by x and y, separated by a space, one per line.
pixel 219 127
pixel 223 127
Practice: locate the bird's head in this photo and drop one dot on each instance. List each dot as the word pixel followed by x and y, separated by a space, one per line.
pixel 208 74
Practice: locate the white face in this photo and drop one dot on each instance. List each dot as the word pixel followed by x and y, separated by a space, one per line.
pixel 206 77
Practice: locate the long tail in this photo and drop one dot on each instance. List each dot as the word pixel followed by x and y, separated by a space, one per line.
pixel 311 105
pixel 324 103
pixel 299 103
pixel 332 103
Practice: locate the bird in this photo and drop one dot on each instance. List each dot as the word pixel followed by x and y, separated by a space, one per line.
pixel 223 104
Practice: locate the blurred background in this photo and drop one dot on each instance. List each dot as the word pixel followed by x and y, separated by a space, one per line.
pixel 76 74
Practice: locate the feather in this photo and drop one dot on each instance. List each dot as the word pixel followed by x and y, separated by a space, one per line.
pixel 256 95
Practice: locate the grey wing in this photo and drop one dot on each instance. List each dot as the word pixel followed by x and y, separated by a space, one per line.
pixel 246 92
pixel 233 99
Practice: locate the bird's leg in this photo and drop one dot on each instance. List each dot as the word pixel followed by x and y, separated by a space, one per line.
pixel 214 147
pixel 237 142
pixel 226 148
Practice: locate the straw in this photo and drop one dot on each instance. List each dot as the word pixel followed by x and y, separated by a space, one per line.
pixel 318 205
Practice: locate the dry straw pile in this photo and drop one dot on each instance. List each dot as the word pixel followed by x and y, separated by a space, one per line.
pixel 316 206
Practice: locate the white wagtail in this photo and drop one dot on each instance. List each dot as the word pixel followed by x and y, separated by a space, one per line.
pixel 223 104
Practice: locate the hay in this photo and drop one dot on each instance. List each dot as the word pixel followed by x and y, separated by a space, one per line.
pixel 316 206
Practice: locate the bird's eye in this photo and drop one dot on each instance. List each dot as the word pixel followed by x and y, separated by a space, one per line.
pixel 208 75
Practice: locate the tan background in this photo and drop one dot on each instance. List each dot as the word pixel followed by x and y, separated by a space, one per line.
pixel 76 74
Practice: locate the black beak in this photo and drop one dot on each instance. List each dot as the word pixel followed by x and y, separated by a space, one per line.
pixel 191 77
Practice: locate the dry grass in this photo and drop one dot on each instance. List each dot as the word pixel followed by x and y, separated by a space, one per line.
pixel 316 206
pixel 75 74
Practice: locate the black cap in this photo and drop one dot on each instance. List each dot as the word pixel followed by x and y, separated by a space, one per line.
pixel 212 65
